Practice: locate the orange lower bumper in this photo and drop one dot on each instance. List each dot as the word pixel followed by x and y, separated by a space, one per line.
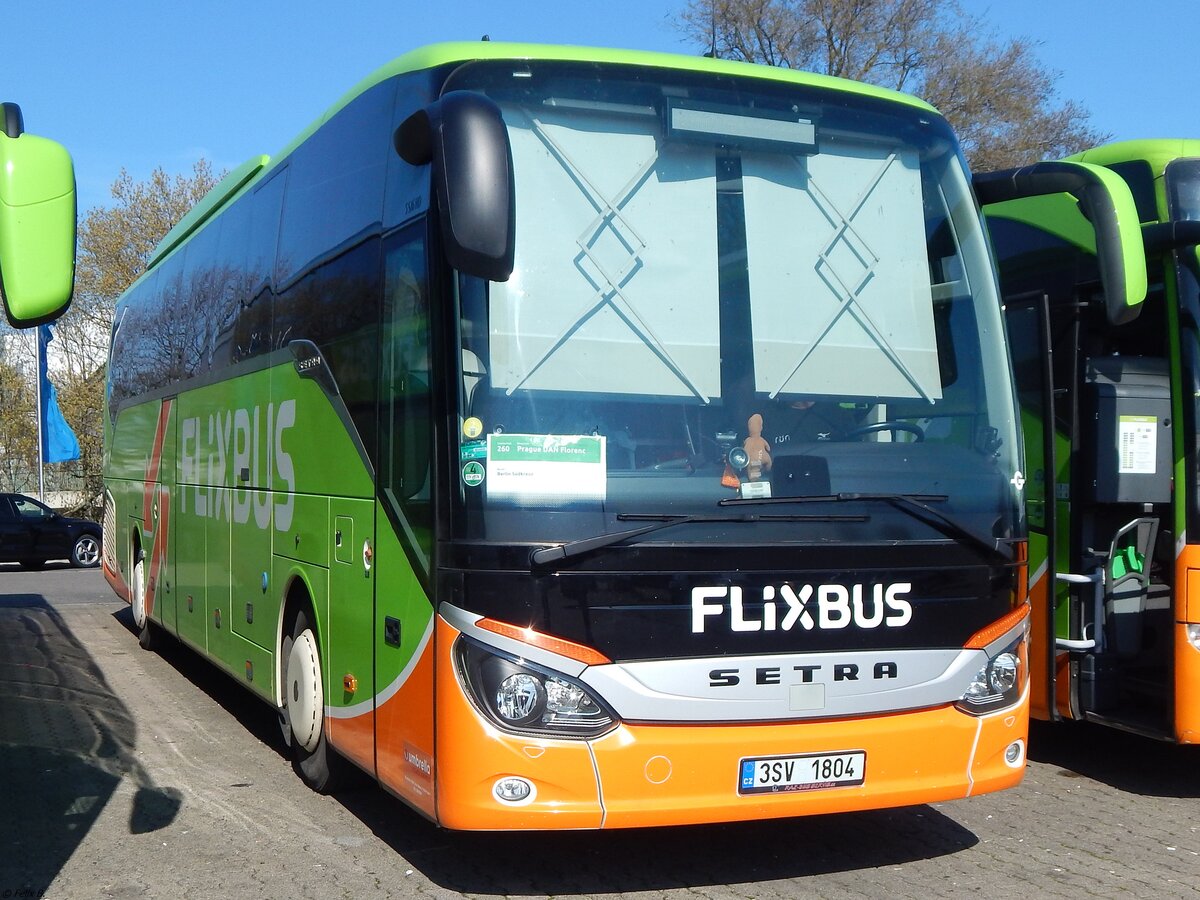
pixel 647 775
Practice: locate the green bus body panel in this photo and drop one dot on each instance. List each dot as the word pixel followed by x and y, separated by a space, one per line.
pixel 1158 152
pixel 238 546
pixel 37 228
pixel 351 614
pixel 401 596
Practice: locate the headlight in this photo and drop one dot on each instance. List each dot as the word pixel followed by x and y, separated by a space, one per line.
pixel 520 696
pixel 999 682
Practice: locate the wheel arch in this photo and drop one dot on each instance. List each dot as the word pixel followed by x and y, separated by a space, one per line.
pixel 297 595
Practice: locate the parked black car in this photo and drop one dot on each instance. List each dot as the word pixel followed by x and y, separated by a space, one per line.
pixel 31 533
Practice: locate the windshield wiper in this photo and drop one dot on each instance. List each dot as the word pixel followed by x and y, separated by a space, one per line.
pixel 916 505
pixel 572 549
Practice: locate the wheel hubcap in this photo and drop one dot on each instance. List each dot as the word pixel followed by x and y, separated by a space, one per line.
pixel 306 698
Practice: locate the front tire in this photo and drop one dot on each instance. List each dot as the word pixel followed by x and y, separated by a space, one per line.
pixel 304 711
pixel 85 552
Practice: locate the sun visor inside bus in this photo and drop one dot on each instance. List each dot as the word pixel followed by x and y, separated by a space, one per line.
pixel 636 281
pixel 839 285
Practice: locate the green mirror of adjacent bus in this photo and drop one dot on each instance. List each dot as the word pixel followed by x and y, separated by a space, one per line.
pixel 37 223
pixel 1108 218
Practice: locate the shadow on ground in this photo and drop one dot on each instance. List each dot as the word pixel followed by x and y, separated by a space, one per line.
pixel 1124 761
pixel 66 745
pixel 606 862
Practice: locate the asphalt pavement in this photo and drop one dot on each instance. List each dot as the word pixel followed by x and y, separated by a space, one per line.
pixel 125 773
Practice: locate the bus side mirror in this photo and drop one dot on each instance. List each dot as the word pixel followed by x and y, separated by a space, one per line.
pixel 1107 202
pixel 37 224
pixel 463 135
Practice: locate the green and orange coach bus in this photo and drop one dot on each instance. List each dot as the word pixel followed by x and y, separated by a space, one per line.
pixel 576 438
pixel 1110 412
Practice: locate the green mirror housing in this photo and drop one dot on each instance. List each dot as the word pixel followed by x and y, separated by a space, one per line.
pixel 1105 199
pixel 37 224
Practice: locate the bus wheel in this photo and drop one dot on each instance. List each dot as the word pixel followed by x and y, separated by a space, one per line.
pixel 147 635
pixel 304 707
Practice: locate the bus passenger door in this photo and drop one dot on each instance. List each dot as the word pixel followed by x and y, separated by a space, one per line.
pixel 404 613
pixel 1028 321
pixel 1122 502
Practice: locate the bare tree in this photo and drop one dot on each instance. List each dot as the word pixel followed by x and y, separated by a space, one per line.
pixel 115 242
pixel 996 93
pixel 18 439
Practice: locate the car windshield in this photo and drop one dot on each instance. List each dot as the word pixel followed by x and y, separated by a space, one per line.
pixel 728 289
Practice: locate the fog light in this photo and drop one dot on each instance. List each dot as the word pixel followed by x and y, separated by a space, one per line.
pixel 1014 754
pixel 1193 635
pixel 513 790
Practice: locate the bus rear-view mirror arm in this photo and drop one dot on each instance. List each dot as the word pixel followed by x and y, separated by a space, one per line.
pixel 1167 236
pixel 37 223
pixel 463 135
pixel 1106 201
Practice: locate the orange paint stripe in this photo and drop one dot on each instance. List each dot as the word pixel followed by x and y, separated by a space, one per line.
pixel 158 553
pixel 116 582
pixel 152 467
pixel 999 628
pixel 562 647
pixel 158 550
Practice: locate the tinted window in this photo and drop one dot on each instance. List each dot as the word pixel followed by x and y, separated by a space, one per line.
pixel 1183 189
pixel 230 281
pixel 1140 178
pixel 335 184
pixel 195 304
pixel 406 426
pixel 327 264
pixel 252 325
pixel 31 509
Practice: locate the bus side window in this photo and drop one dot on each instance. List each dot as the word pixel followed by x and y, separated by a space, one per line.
pixel 405 415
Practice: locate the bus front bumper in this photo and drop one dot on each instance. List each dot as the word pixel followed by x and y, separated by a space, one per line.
pixel 642 775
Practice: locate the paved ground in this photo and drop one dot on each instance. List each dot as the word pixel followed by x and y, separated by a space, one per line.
pixel 130 774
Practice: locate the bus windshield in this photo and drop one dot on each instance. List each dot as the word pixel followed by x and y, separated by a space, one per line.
pixel 1183 189
pixel 728 290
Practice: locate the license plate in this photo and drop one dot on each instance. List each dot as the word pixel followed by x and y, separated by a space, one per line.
pixel 807 772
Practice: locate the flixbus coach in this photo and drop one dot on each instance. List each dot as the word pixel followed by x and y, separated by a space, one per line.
pixel 466 433
pixel 37 223
pixel 1110 408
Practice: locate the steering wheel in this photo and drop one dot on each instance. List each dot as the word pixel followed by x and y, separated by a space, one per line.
pixel 893 427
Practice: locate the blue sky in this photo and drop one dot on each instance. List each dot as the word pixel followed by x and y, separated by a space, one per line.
pixel 145 83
